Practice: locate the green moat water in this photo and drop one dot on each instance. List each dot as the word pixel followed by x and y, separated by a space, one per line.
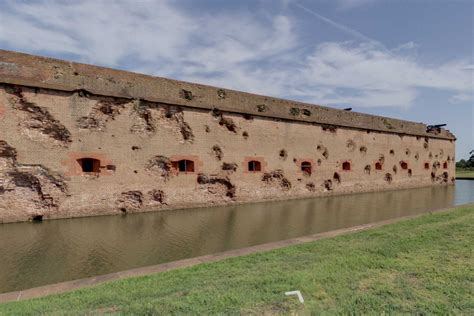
pixel 34 254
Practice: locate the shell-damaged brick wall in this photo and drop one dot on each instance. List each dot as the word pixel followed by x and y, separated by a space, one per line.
pixel 41 72
pixel 78 140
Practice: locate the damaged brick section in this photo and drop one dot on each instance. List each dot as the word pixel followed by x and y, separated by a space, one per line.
pixel 327 184
pixel 217 185
pixel 55 180
pixel 323 150
pixel 101 113
pixel 224 121
pixel 217 152
pixel 160 165
pixel 7 151
pixel 186 94
pixel 32 183
pixel 145 123
pixel 151 114
pixel 33 186
pixel 38 119
pixel 157 196
pixel 135 200
pixel 311 187
pixel 351 145
pixel 130 200
pixel 277 176
pixel 367 169
pixel 442 178
pixel 231 167
pixel 329 128
pixel 184 128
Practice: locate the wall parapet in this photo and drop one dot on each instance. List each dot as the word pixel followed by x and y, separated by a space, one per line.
pixel 42 72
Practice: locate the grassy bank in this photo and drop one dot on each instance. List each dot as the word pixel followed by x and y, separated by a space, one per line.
pixel 423 265
pixel 465 173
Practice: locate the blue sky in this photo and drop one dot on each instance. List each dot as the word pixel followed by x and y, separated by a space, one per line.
pixel 406 59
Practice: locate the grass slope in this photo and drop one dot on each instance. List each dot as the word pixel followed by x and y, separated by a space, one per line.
pixel 420 266
pixel 465 173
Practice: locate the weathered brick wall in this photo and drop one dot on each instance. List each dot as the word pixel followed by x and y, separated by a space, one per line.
pixel 134 146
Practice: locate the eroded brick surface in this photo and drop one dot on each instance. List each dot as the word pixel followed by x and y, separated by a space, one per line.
pixel 73 145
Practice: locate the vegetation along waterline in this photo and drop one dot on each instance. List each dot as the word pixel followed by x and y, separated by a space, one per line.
pixel 465 167
pixel 465 173
pixel 423 265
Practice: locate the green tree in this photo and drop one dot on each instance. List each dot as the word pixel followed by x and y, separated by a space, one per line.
pixel 464 164
pixel 470 162
pixel 461 164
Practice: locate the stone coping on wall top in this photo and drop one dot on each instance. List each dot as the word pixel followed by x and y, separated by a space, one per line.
pixel 42 72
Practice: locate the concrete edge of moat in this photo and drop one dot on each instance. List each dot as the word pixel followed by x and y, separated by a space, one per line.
pixel 68 286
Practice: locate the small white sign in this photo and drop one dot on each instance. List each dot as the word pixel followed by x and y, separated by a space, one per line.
pixel 297 293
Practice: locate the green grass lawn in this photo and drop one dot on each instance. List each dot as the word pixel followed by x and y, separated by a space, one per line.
pixel 419 266
pixel 465 173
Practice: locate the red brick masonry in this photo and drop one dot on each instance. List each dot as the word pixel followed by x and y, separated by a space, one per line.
pixel 74 168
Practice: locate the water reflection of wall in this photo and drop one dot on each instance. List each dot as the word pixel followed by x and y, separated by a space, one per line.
pixel 53 251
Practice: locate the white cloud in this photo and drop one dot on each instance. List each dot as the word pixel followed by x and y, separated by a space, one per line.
pixel 381 76
pixel 250 51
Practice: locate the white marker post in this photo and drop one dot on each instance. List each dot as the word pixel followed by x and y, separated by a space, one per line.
pixel 297 293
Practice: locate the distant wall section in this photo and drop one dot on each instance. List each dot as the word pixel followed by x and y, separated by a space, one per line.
pixel 75 153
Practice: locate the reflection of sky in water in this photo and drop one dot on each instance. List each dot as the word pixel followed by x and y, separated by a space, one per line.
pixel 464 192
pixel 59 250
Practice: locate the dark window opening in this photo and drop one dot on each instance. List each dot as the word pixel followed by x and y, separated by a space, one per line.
pixel 445 165
pixel 404 165
pixel 306 167
pixel 346 166
pixel 89 165
pixel 427 166
pixel 378 166
pixel 183 165
pixel 254 166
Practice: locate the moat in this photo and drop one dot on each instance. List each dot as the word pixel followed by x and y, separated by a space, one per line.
pixel 34 254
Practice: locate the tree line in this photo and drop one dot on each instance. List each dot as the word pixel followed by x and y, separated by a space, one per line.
pixel 466 164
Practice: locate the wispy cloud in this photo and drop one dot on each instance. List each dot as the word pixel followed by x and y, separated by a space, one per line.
pixel 350 4
pixel 251 51
pixel 356 34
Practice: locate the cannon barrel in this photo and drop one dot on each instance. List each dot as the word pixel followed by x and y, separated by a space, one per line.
pixel 436 126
